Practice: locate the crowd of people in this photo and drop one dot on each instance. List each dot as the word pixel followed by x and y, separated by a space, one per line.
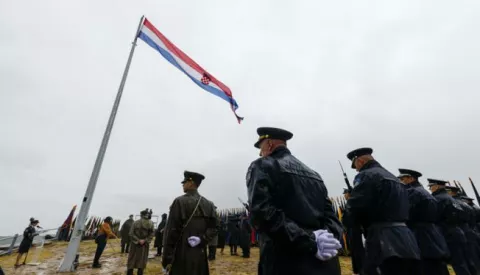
pixel 407 230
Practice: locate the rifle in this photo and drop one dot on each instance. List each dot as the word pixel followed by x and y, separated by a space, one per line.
pixel 475 190
pixel 461 188
pixel 244 204
pixel 345 178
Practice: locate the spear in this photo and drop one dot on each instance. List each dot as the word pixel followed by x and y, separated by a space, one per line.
pixel 475 190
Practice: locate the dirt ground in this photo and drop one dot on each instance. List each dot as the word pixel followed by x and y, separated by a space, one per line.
pixel 115 263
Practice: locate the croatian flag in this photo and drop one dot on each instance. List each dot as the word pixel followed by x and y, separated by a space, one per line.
pixel 179 59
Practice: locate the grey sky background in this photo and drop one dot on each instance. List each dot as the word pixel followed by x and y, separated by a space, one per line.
pixel 401 77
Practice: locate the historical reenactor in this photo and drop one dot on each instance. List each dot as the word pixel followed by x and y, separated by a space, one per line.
pixel 450 211
pixel 291 211
pixel 245 235
pixel 104 233
pixel 28 234
pixel 468 213
pixel 222 236
pixel 159 235
pixel 233 234
pixel 379 203
pixel 354 240
pixel 422 221
pixel 125 234
pixel 191 225
pixel 141 235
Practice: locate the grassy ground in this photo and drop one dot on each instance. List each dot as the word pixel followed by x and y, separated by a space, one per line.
pixel 115 263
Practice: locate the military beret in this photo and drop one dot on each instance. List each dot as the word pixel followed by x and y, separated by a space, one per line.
pixel 358 153
pixel 272 133
pixel 408 172
pixel 144 212
pixel 432 182
pixel 193 176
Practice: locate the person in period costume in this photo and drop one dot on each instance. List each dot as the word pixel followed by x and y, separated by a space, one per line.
pixel 159 235
pixel 450 211
pixel 245 235
pixel 192 224
pixel 222 235
pixel 291 210
pixel 423 217
pixel 125 234
pixel 141 235
pixel 212 248
pixel 468 213
pixel 354 241
pixel 234 234
pixel 104 233
pixel 28 234
pixel 379 203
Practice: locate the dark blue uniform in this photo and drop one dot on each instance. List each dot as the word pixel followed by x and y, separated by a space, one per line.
pixel 449 212
pixel 422 221
pixel 288 201
pixel 379 202
pixel 472 241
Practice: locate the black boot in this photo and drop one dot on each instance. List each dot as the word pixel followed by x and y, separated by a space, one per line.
pixel 140 271
pixel 129 271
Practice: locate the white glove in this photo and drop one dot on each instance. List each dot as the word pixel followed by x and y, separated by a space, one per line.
pixel 327 245
pixel 194 241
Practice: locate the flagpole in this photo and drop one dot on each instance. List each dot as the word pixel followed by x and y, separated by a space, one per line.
pixel 67 264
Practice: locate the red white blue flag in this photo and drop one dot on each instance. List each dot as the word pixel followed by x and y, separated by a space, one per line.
pixel 179 59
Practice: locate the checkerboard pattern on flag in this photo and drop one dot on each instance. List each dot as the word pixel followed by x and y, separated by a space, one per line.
pixel 179 59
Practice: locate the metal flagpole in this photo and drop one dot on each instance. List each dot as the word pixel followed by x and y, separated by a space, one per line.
pixel 67 264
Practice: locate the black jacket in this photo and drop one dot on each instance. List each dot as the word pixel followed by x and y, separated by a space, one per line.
pixel 422 221
pixel 379 202
pixel 289 201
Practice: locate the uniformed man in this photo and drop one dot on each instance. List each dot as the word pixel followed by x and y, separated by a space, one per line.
pixel 354 241
pixel 476 225
pixel 191 225
pixel 449 212
pixel 291 211
pixel 379 202
pixel 159 235
pixel 422 221
pixel 473 260
pixel 125 234
pixel 141 235
pixel 245 235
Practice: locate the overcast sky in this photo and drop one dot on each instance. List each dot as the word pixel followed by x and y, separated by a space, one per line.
pixel 401 77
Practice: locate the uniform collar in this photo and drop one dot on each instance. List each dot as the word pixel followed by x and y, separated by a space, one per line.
pixel 370 164
pixel 280 150
pixel 193 193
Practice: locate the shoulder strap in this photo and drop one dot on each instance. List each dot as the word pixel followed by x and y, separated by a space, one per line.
pixel 183 229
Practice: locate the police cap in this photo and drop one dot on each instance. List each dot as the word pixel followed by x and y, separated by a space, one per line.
pixel 408 172
pixel 193 176
pixel 272 133
pixel 358 153
pixel 432 182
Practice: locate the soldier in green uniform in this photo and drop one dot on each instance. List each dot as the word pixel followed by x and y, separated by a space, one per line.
pixel 141 235
pixel 192 224
pixel 125 234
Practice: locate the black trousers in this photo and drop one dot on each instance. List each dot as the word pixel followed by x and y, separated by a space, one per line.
pixel 101 243
pixel 398 266
pixel 434 267
pixel 125 245
pixel 245 251
pixel 212 252
pixel 159 250
pixel 233 249
pixel 139 271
